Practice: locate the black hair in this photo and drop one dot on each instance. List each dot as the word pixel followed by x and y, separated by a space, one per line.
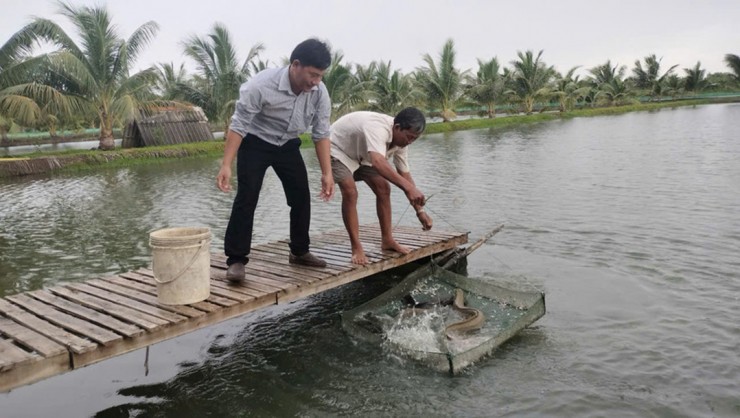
pixel 410 118
pixel 312 53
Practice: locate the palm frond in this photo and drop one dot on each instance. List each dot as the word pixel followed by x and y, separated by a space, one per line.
pixel 21 108
pixel 733 61
pixel 140 39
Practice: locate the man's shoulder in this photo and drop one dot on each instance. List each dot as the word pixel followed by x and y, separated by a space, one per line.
pixel 266 77
pixel 367 116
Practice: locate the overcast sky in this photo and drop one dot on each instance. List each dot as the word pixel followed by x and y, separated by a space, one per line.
pixel 571 32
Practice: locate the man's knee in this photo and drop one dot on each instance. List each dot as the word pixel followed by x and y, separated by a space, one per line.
pixel 349 191
pixel 380 186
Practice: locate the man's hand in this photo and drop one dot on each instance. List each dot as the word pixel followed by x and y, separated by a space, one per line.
pixel 415 196
pixel 327 187
pixel 425 219
pixel 223 179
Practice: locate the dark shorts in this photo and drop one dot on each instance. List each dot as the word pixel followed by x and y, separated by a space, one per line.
pixel 340 171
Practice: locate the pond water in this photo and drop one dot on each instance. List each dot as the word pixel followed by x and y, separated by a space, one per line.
pixel 629 224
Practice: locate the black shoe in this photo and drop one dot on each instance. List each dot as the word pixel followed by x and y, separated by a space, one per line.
pixel 235 273
pixel 307 259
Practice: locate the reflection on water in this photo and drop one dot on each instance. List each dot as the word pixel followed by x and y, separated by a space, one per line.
pixel 629 224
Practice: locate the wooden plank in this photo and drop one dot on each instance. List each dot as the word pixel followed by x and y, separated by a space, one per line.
pixel 332 270
pixel 123 306
pixel 175 330
pixel 30 338
pixel 280 259
pixel 215 297
pixel 375 239
pixel 11 355
pixel 409 233
pixel 265 276
pixel 152 289
pixel 129 288
pixel 270 279
pixel 372 250
pixel 417 241
pixel 91 331
pixel 258 267
pixel 218 278
pixel 51 331
pixel 342 246
pixel 123 328
pixel 331 258
pixel 33 370
pixel 250 286
pixel 85 295
pixel 370 269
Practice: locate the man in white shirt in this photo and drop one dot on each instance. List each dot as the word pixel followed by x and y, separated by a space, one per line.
pixel 361 145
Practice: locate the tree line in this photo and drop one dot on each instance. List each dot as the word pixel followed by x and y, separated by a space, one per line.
pixel 92 83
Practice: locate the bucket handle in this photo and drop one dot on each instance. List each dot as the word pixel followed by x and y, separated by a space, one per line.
pixel 192 260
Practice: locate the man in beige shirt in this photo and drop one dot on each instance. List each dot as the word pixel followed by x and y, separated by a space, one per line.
pixel 361 145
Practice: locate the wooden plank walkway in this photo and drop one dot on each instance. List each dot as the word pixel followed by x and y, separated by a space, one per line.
pixel 71 325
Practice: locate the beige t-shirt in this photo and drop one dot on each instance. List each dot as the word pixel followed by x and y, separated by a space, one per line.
pixel 355 134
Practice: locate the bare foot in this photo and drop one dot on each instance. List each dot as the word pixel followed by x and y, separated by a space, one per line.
pixel 359 257
pixel 394 246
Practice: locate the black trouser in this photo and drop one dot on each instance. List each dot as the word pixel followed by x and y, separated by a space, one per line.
pixel 253 159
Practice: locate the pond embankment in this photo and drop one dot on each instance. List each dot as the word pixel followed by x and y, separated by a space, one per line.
pixel 40 163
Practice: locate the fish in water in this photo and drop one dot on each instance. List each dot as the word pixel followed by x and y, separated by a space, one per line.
pixel 473 318
pixel 473 321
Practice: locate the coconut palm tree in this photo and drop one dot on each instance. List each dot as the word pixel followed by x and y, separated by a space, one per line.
pixel 531 77
pixel 347 92
pixel 441 82
pixel 616 92
pixel 21 98
pixel 98 70
pixel 567 89
pixel 392 91
pixel 696 79
pixel 607 85
pixel 605 73
pixel 168 81
pixel 733 61
pixel 219 73
pixel 487 87
pixel 649 78
pixel 673 86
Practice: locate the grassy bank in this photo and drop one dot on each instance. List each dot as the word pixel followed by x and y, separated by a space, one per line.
pixel 82 160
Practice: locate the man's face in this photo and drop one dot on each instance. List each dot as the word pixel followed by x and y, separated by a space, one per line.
pixel 304 77
pixel 404 137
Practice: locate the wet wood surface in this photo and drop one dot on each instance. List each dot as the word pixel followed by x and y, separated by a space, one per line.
pixel 73 324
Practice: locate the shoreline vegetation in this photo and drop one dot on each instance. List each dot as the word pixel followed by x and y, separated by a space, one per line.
pixel 93 84
pixel 88 160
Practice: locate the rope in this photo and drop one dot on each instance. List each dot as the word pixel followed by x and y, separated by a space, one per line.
pixel 426 201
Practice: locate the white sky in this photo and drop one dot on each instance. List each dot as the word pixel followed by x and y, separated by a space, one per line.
pixel 571 32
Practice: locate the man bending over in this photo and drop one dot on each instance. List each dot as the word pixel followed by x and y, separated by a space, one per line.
pixel 361 145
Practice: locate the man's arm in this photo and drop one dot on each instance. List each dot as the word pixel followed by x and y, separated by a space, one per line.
pixel 421 214
pixel 223 179
pixel 248 105
pixel 323 153
pixel 379 162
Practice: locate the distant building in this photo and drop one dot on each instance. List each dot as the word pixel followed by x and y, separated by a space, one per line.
pixel 167 126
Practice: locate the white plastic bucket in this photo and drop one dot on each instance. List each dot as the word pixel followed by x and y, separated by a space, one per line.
pixel 181 260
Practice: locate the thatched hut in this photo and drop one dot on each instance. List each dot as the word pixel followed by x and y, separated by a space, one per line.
pixel 167 126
